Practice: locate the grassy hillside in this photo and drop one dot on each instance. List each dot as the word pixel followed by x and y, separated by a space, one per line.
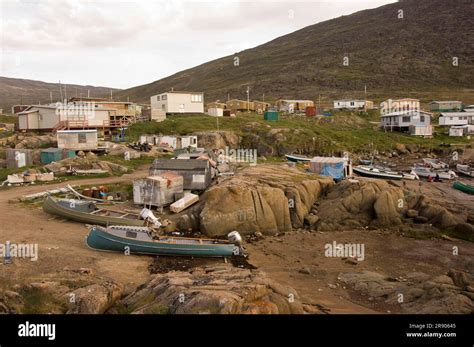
pixel 20 91
pixel 393 57
pixel 345 131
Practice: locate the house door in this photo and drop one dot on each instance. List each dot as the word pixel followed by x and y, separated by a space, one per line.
pixel 20 159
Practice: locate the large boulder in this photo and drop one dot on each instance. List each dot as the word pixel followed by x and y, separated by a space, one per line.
pixel 217 289
pixel 362 203
pixel 94 299
pixel 218 139
pixel 265 198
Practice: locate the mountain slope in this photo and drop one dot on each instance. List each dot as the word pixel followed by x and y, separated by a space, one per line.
pixel 385 53
pixel 17 91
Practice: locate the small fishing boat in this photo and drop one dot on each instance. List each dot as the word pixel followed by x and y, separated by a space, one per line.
pixel 423 171
pixel 369 171
pixel 465 170
pixel 141 240
pixel 463 187
pixel 365 162
pixel 297 158
pixel 88 212
pixel 435 163
pixel 406 176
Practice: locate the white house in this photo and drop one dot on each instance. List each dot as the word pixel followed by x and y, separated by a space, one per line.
pixel 61 116
pixel 175 142
pixel 456 118
pixel 412 121
pixel 215 111
pixel 456 131
pixel 353 104
pixel 178 102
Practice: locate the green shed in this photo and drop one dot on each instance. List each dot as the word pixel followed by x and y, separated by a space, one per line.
pixel 49 155
pixel 270 115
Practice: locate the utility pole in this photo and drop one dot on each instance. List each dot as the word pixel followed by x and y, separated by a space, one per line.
pixel 65 92
pixel 51 97
pixel 88 93
pixel 319 102
pixel 248 99
pixel 365 95
pixel 111 95
pixel 61 91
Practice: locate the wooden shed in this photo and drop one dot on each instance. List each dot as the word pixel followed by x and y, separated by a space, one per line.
pixel 158 190
pixel 196 173
pixel 78 140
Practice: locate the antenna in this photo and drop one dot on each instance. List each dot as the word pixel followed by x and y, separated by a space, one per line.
pixel 60 91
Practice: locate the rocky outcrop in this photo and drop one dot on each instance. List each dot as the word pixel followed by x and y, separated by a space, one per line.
pixel 30 141
pixel 94 299
pixel 379 204
pixel 267 199
pixel 218 289
pixel 218 139
pixel 452 292
pixel 86 163
pixel 360 204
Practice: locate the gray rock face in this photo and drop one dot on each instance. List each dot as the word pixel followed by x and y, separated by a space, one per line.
pixel 418 293
pixel 218 289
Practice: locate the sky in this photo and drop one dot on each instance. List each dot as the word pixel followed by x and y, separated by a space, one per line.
pixel 121 44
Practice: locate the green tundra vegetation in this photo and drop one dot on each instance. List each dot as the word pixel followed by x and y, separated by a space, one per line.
pixel 344 131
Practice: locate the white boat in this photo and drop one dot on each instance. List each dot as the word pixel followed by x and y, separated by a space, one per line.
pixel 465 170
pixel 435 163
pixel 297 158
pixel 369 171
pixel 406 176
pixel 423 171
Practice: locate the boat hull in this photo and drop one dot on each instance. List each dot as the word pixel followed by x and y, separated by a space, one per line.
pixel 296 159
pixel 464 187
pixel 381 175
pixel 102 240
pixel 51 206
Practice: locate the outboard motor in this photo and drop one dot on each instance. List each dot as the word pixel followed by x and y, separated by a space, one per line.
pixel 148 216
pixel 235 238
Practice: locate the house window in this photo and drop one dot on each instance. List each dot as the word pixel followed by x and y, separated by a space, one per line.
pixel 352 103
pixel 163 107
pixel 406 119
pixel 158 98
pixel 163 97
pixel 40 117
pixel 196 98
pixel 81 138
pixel 422 119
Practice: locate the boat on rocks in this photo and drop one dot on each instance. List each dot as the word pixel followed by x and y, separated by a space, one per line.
pixel 463 187
pixel 90 213
pixel 435 163
pixel 423 171
pixel 142 240
pixel 297 158
pixel 373 172
pixel 465 170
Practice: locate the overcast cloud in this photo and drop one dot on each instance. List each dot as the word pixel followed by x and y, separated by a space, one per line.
pixel 122 44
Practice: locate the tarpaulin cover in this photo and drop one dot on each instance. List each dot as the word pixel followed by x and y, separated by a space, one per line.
pixel 335 170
